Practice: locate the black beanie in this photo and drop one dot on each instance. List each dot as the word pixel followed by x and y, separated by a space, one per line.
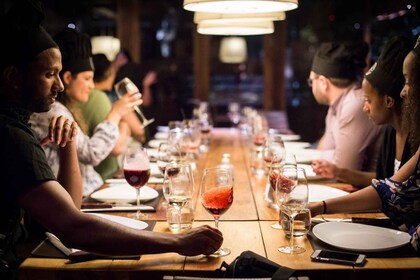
pixel 24 36
pixel 340 60
pixel 76 51
pixel 386 74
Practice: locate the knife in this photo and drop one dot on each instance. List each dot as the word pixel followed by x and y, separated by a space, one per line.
pixel 108 207
pixel 382 221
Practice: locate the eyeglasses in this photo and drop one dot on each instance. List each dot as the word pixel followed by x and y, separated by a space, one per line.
pixel 309 81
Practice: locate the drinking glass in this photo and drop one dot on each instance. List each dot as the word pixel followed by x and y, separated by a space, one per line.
pixel 127 86
pixel 279 161
pixel 234 113
pixel 273 152
pixel 293 186
pixel 178 186
pixel 163 157
pixel 178 145
pixel 137 171
pixel 192 137
pixel 216 194
pixel 273 146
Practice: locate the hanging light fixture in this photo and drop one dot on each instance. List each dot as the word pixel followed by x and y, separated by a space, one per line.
pixel 200 17
pixel 236 28
pixel 233 50
pixel 107 45
pixel 240 6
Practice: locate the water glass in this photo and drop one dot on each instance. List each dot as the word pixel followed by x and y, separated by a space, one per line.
pixel 187 218
pixel 302 223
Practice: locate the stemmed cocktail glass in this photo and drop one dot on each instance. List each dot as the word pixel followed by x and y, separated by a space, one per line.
pixel 137 171
pixel 279 162
pixel 127 86
pixel 292 188
pixel 216 194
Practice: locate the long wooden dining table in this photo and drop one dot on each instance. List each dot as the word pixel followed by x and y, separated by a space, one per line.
pixel 245 226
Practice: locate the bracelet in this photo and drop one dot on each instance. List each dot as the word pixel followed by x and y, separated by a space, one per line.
pixel 325 207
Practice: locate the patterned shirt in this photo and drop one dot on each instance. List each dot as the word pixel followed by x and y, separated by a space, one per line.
pixel 401 202
pixel 90 150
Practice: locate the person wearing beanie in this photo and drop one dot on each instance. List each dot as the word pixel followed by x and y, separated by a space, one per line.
pixel 98 107
pixel 350 139
pixel 397 196
pixel 77 76
pixel 382 86
pixel 30 64
pixel 104 80
pixel 30 82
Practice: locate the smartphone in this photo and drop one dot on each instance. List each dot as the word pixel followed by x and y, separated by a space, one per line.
pixel 338 257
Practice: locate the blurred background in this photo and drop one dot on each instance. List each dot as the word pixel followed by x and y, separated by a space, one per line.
pixel 160 35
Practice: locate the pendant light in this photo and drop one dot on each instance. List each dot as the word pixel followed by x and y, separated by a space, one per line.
pixel 233 50
pixel 107 45
pixel 237 28
pixel 240 6
pixel 200 17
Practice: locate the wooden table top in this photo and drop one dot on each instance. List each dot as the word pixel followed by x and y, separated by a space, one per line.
pixel 245 226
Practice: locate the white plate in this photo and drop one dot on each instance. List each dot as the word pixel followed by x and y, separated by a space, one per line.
pixel 162 128
pixel 124 193
pixel 310 174
pixel 152 153
pixel 359 237
pixel 292 146
pixel 306 155
pixel 321 192
pixel 114 181
pixel 136 224
pixel 154 143
pixel 154 170
pixel 290 137
pixel 161 135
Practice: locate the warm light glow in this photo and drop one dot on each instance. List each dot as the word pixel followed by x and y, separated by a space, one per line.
pixel 237 28
pixel 200 17
pixel 240 6
pixel 232 50
pixel 107 45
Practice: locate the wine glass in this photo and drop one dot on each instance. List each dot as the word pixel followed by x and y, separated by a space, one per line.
pixel 234 113
pixel 278 161
pixel 273 152
pixel 163 157
pixel 178 186
pixel 192 136
pixel 127 86
pixel 216 194
pixel 292 187
pixel 178 145
pixel 137 171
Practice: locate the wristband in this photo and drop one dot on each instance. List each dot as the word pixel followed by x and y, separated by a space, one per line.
pixel 325 207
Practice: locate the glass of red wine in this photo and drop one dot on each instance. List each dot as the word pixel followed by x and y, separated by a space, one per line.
pixel 216 194
pixel 137 171
pixel 178 186
pixel 292 188
pixel 279 162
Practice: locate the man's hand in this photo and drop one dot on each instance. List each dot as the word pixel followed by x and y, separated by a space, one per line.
pixel 61 131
